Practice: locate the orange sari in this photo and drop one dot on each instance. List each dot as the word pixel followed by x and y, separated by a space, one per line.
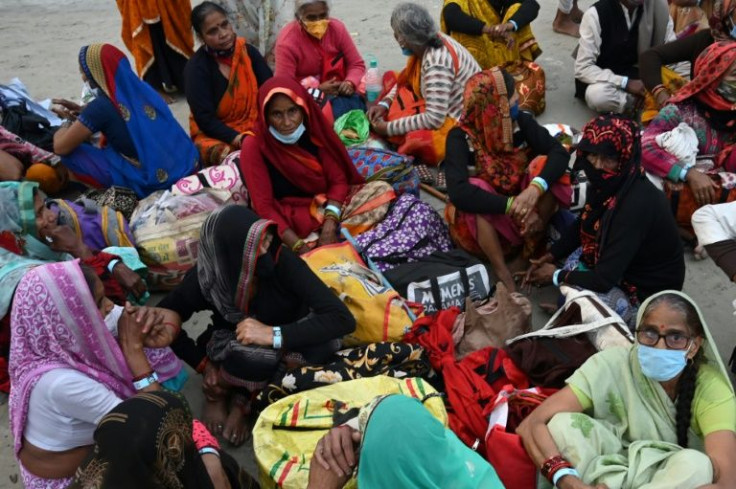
pixel 174 18
pixel 238 108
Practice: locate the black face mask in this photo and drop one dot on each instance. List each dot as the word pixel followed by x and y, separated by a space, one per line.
pixel 594 175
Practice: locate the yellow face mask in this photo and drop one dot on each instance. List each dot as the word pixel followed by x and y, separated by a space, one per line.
pixel 316 28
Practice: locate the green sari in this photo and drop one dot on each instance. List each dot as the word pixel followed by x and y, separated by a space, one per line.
pixel 626 438
pixel 19 249
pixel 404 446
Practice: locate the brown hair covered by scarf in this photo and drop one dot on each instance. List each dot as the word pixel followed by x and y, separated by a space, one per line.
pixel 486 119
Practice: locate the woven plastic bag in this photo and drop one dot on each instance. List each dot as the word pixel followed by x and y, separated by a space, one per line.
pixel 286 433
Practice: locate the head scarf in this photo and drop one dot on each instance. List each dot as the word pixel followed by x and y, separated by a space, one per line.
pixel 431 456
pixel 722 11
pixel 709 348
pixel 616 137
pixel 486 119
pixel 144 443
pixel 714 63
pixel 296 164
pixel 228 258
pixel 165 151
pixel 55 323
pixel 20 250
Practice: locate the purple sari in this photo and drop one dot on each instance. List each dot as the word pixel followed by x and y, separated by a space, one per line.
pixel 55 323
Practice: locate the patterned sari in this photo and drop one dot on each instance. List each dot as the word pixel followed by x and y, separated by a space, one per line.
pixel 56 324
pixel 501 168
pixel 165 153
pixel 517 59
pixel 238 108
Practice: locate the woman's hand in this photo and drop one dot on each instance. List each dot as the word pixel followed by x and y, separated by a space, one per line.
pixel 380 127
pixel 336 450
pixel 535 273
pixel 532 224
pixel 524 203
pixel 65 240
pixel 66 109
pixel 703 187
pixel 321 478
pixel 328 235
pixel 377 112
pixel 330 87
pixel 253 332
pixel 145 319
pixel 129 280
pixel 346 88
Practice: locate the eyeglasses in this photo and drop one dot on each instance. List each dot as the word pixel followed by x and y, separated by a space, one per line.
pixel 673 340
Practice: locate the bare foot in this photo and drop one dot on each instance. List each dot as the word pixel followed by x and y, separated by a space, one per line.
pixel 564 24
pixel 214 414
pixel 236 426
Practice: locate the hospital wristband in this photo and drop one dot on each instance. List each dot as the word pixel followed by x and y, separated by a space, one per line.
pixel 112 264
pixel 624 82
pixel 541 183
pixel 562 473
pixel 683 172
pixel 299 243
pixel 556 277
pixel 384 104
pixel 147 381
pixel 206 450
pixel 508 204
pixel 334 209
pixel 516 26
pixel 277 338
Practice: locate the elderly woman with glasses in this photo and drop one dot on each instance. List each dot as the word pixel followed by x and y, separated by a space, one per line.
pixel 658 414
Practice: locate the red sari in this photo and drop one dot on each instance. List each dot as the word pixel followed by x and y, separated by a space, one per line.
pixel 331 172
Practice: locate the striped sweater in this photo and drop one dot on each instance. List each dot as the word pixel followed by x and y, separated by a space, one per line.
pixel 442 89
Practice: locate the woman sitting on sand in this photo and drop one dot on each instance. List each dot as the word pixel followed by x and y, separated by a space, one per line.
pixel 625 245
pixel 521 174
pixel 222 80
pixel 658 414
pixel 146 149
pixel 436 72
pixel 267 307
pixel 74 355
pixel 294 158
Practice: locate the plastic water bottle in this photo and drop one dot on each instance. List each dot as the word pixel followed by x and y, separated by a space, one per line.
pixel 373 84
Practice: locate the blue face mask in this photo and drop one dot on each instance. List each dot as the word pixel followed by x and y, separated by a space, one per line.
pixel 288 138
pixel 406 51
pixel 514 111
pixel 661 364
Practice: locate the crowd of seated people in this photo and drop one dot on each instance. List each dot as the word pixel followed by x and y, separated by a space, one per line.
pixel 92 371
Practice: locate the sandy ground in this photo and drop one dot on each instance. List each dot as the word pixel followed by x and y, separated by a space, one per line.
pixel 40 39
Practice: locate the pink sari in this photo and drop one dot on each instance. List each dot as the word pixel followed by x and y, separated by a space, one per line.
pixel 55 323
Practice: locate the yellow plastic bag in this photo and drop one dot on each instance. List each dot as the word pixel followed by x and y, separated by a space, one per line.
pixel 378 310
pixel 287 431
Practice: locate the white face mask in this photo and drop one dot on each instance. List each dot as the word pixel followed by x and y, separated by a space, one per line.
pixel 112 318
pixel 288 138
pixel 88 93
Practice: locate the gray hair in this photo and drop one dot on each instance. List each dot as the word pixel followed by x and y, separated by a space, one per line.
pixel 299 4
pixel 681 305
pixel 415 25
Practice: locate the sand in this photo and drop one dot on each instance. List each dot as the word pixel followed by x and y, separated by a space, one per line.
pixel 40 39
